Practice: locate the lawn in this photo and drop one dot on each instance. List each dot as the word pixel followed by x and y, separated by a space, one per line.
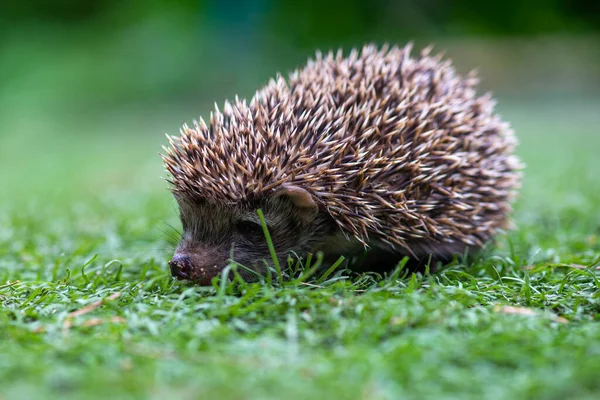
pixel 89 309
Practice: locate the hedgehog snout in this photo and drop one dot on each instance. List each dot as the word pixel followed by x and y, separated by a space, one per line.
pixel 181 266
pixel 199 267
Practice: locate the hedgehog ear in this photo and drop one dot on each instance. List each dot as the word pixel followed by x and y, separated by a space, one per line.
pixel 301 199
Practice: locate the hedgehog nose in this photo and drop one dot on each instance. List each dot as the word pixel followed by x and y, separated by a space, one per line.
pixel 181 266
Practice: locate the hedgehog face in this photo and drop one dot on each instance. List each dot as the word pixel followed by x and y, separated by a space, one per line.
pixel 214 234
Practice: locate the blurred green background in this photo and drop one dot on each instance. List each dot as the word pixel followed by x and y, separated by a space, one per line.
pixel 87 88
pixel 87 91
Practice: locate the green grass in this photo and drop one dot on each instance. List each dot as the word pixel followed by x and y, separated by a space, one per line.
pixel 86 217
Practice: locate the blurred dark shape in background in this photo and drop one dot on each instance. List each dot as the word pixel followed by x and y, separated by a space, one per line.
pixel 141 67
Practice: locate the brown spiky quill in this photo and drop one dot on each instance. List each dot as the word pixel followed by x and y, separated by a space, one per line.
pixel 393 147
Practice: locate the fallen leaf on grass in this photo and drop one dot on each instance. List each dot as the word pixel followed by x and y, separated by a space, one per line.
pixel 578 266
pixel 91 307
pixel 87 309
pixel 526 312
pixel 99 321
pixel 89 323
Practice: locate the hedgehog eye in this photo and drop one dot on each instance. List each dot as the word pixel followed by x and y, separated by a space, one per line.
pixel 249 228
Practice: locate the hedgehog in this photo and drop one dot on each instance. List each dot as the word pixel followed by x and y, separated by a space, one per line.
pixel 375 151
